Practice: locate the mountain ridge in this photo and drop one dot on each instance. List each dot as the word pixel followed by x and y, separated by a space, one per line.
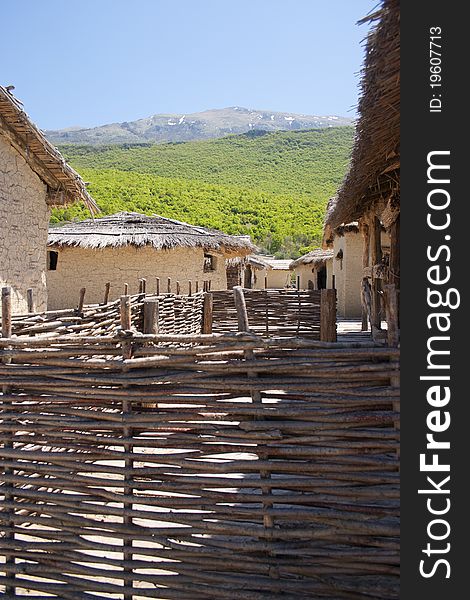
pixel 212 123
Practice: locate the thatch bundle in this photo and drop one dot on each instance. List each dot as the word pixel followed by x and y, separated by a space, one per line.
pixel 374 173
pixel 65 185
pixel 135 229
pixel 316 257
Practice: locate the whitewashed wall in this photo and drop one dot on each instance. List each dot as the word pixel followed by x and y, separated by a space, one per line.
pixel 78 267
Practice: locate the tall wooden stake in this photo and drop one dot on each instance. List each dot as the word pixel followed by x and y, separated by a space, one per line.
pixel 240 307
pixel 30 298
pixel 376 257
pixel 151 316
pixel 81 301
pixel 328 315
pixel 207 313
pixel 107 287
pixel 365 264
pixel 8 487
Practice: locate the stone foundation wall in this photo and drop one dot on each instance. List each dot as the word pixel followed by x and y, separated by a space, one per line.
pixel 24 221
pixel 92 269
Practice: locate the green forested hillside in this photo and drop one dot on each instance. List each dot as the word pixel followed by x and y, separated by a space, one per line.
pixel 272 186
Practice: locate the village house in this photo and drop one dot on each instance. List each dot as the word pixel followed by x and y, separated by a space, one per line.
pixel 314 270
pixel 259 272
pixel 126 247
pixel 33 177
pixel 267 272
pixel 369 196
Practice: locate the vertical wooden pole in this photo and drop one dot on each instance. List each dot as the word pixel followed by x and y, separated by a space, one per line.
pixel 240 307
pixel 376 257
pixel 169 285
pixel 30 298
pixel 328 315
pixel 365 263
pixel 178 288
pixel 197 286
pixel 81 301
pixel 126 320
pixel 266 311
pixel 265 282
pixel 256 397
pixel 298 282
pixel 107 287
pixel 8 487
pixel 207 313
pixel 151 316
pixel 391 312
pixel 126 289
pixel 190 288
pixel 144 285
pixel 126 323
pixel 158 286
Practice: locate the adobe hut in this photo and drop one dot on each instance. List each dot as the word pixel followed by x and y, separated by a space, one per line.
pixel 314 270
pixel 126 247
pixel 267 272
pixel 370 192
pixel 346 245
pixel 33 177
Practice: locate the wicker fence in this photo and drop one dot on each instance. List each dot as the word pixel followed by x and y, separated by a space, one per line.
pixel 271 312
pixel 217 466
pixel 177 314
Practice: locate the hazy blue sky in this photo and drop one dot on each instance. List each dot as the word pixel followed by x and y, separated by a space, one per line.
pixel 89 62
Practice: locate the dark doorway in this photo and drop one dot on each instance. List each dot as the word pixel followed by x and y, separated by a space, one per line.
pixel 248 277
pixel 321 278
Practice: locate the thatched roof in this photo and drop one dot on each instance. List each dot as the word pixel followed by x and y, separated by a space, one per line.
pixel 373 176
pixel 134 229
pixel 328 231
pixel 316 257
pixel 65 185
pixel 278 264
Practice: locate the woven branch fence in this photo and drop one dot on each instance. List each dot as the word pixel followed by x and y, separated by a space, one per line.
pixel 207 466
pixel 177 314
pixel 272 312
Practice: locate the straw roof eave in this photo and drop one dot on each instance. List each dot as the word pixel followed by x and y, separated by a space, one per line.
pixel 317 257
pixel 64 184
pixel 373 176
pixel 137 230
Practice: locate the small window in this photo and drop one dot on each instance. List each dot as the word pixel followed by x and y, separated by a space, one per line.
pixel 209 263
pixel 52 258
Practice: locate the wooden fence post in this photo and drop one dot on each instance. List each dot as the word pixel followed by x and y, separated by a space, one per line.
pixel 169 285
pixel 127 541
pixel 158 286
pixel 243 325
pixel 240 306
pixel 106 293
pixel 328 315
pixel 81 301
pixel 126 323
pixel 207 312
pixel 8 488
pixel 391 314
pixel 151 316
pixel 30 298
pixel 393 338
